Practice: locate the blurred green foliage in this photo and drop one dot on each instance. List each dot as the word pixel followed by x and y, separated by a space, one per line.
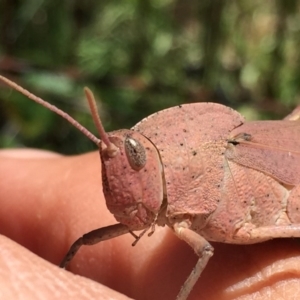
pixel 139 57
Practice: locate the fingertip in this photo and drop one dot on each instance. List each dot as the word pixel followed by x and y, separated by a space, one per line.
pixel 27 153
pixel 18 265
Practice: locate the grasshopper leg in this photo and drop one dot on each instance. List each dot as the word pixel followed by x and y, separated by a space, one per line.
pixel 270 232
pixel 94 237
pixel 201 247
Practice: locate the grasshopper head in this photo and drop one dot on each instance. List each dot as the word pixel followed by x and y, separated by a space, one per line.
pixel 131 173
pixel 132 178
pixel 131 168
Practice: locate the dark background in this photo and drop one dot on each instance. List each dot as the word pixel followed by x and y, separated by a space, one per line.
pixel 139 57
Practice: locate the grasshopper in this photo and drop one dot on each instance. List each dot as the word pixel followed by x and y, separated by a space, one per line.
pixel 200 169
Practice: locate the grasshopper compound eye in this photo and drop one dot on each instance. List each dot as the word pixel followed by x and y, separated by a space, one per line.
pixel 135 153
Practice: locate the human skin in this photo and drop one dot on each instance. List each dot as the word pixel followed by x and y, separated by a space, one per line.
pixel 48 201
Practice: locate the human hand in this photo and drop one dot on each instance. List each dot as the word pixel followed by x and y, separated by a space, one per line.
pixel 48 201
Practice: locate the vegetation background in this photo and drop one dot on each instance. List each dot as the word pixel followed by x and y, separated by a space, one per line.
pixel 139 57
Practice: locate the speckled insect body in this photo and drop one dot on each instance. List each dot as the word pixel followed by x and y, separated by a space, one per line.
pixel 226 179
pixel 234 178
pixel 202 170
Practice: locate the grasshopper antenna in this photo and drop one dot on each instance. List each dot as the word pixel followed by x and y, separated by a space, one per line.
pixel 52 108
pixel 111 148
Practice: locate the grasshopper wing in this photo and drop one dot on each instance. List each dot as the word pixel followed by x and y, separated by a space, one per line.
pixel 272 147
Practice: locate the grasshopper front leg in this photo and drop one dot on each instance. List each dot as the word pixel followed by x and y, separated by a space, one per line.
pixel 93 237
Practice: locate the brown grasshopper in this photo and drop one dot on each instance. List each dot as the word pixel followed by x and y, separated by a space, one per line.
pixel 202 170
